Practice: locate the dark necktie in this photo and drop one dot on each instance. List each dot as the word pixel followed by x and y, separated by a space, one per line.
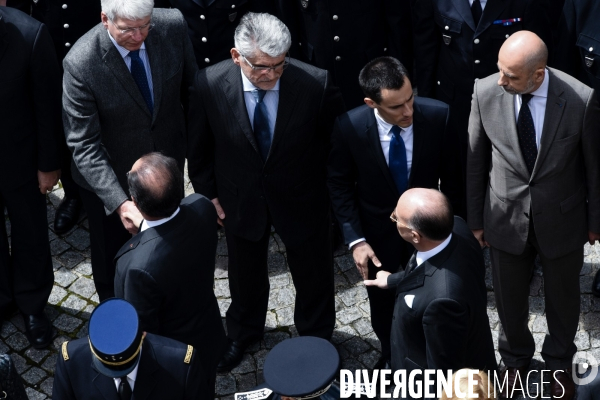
pixel 261 124
pixel 412 264
pixel 526 132
pixel 139 76
pixel 397 160
pixel 476 10
pixel 124 389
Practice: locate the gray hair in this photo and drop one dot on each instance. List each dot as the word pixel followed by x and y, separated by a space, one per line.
pixel 127 9
pixel 262 32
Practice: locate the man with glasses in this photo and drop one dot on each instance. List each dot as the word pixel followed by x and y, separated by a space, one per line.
pixel 258 140
pixel 125 91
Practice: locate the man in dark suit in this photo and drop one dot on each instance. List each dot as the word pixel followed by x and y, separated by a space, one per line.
pixel 533 189
pixel 118 360
pixel 212 24
pixel 258 142
pixel 124 86
pixel 440 315
pixel 167 270
pixel 29 153
pixel 341 36
pixel 456 43
pixel 367 174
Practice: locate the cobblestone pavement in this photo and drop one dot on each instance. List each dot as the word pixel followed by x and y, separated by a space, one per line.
pixel 73 298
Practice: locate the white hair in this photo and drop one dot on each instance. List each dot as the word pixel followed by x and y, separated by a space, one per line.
pixel 262 32
pixel 127 9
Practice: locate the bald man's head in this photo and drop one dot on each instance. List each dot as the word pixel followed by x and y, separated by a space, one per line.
pixel 156 185
pixel 521 61
pixel 426 211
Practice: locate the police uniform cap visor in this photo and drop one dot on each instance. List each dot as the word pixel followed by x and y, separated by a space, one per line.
pixel 115 337
pixel 301 366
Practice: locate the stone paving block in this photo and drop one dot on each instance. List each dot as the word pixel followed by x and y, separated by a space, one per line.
pixel 279 281
pixel 279 242
pixel 57 343
pixel 50 364
pixel 591 321
pixel 271 321
pixel 372 339
pixel 71 258
pixel 84 268
pixel 56 265
pixel 536 305
pixel 58 246
pixel 354 277
pixel 594 339
pixel 271 339
pixel 222 247
pixel 582 340
pixel 83 287
pixel 586 269
pixel 356 346
pixel 246 365
pixel 585 284
pixel 535 285
pixel 340 282
pixel 352 364
pixel 20 363
pixel 51 312
pixel 63 277
pixel 370 358
pixel 3 348
pixel 221 267
pixel 17 341
pixel 273 246
pixel 277 264
pixel 79 239
pixel 50 213
pixel 73 304
pixel 539 341
pixel 540 324
pixel 345 262
pixel 46 386
pixel 285 297
pixel 225 385
pixel 33 394
pixel 34 375
pixel 67 323
pixel 36 355
pixel 285 316
pixel 83 332
pixel 246 382
pixel 259 358
pixel 363 326
pixel 348 315
pixel 223 306
pixel 87 312
pixel 7 329
pixel 95 298
pixel 222 288
pixel 352 295
pixel 342 334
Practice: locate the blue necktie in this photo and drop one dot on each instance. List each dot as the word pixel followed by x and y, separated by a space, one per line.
pixel 138 71
pixel 262 132
pixel 526 132
pixel 397 159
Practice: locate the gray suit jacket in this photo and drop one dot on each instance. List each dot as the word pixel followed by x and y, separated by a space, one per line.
pixel 107 123
pixel 562 193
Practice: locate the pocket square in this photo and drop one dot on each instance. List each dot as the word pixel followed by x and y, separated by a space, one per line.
pixel 409 299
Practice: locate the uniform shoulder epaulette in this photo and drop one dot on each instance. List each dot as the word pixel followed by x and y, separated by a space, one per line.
pixel 65 352
pixel 188 354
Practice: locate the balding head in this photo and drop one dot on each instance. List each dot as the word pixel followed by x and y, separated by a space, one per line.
pixel 521 61
pixel 426 212
pixel 155 185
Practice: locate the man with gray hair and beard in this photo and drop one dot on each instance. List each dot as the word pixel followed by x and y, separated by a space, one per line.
pixel 125 89
pixel 259 129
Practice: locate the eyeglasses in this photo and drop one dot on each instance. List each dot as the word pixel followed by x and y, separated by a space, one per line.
pixel 261 68
pixel 130 31
pixel 395 219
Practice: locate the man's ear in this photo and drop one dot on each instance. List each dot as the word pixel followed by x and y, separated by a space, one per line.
pixel 104 19
pixel 370 102
pixel 235 56
pixel 416 237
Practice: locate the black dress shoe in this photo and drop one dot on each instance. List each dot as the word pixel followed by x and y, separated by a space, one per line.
pixel 232 357
pixel 596 285
pixel 38 330
pixel 66 215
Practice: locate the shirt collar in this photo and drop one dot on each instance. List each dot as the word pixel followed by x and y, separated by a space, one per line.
pixel 249 87
pixel 542 91
pixel 122 50
pixel 385 126
pixel 423 256
pixel 151 224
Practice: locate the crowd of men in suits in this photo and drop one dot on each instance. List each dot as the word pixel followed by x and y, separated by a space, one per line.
pixel 293 114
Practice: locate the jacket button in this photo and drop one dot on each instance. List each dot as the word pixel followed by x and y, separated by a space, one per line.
pixel 439 83
pixel 507 36
pixel 202 17
pixel 204 39
pixel 477 61
pixel 64 6
pixel 207 60
pixel 447 27
pixel 337 39
pixel 591 49
pixel 67 44
pixel 476 41
pixel 338 58
pixel 335 17
pixel 66 26
pixel 385 49
pixel 233 6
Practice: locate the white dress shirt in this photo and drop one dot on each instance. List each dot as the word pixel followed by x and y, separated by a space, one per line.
pixel 271 101
pixel 385 137
pixel 143 55
pixel 483 3
pixel 131 377
pixel 537 106
pixel 423 256
pixel 151 224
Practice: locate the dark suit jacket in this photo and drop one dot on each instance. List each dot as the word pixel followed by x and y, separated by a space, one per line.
pixel 215 21
pixel 563 192
pixel 162 373
pixel 447 326
pixel 362 190
pixel 29 99
pixel 167 273
pixel 447 71
pixel 579 42
pixel 590 391
pixel 342 36
pixel 107 123
pixel 224 161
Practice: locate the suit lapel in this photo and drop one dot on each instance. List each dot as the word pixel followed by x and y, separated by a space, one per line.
pixel 419 129
pixel 105 385
pixel 154 55
pixel 234 92
pixel 491 11
pixel 462 6
pixel 146 378
pixel 286 108
pixel 555 106
pixel 372 133
pixel 116 65
pixel 510 124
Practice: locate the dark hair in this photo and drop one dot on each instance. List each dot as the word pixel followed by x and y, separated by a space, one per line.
pixel 434 223
pixel 381 73
pixel 156 186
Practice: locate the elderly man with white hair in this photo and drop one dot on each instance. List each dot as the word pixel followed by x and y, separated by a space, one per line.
pixel 125 94
pixel 258 141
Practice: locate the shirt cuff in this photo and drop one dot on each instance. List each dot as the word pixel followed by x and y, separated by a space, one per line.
pixel 355 242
